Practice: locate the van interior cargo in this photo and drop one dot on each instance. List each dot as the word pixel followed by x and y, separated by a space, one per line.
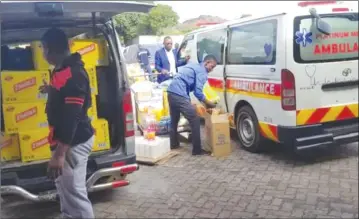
pixel 22 57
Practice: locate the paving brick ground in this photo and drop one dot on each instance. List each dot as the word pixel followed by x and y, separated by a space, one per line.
pixel 270 185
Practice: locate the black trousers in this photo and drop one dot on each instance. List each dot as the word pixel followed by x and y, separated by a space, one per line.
pixel 178 105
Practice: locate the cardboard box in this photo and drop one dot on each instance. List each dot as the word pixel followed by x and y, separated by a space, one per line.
pixel 34 145
pixel 9 147
pixel 218 139
pixel 38 58
pixel 19 117
pixel 102 137
pixel 91 71
pixel 92 111
pixel 93 51
pixel 23 86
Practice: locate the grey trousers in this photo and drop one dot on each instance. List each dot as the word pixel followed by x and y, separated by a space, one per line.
pixel 71 185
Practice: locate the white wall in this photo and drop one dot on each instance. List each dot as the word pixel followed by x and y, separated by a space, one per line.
pixel 156 39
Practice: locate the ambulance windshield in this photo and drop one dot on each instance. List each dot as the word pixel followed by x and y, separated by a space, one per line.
pixel 312 46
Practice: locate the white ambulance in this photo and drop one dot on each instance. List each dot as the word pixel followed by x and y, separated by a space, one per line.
pixel 291 77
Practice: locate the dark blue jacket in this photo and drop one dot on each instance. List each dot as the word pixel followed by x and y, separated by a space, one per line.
pixel 161 62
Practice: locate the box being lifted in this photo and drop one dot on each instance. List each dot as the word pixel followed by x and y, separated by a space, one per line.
pixel 218 140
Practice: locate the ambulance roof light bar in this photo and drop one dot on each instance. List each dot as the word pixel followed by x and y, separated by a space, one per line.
pixel 313 3
pixel 316 3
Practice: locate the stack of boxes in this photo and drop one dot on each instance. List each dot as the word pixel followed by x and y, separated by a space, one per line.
pixel 26 128
pixel 94 53
pixel 24 115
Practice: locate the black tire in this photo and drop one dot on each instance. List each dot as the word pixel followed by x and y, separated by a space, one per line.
pixel 250 138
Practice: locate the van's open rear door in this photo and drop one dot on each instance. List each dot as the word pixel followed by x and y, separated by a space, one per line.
pixel 16 15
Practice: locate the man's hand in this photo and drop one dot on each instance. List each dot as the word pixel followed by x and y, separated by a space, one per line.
pixel 209 104
pixel 164 71
pixel 56 164
pixel 44 89
pixel 187 58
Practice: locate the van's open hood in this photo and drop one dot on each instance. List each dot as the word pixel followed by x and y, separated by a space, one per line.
pixel 36 15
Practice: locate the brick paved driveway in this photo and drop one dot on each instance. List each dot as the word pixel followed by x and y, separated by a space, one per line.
pixel 245 185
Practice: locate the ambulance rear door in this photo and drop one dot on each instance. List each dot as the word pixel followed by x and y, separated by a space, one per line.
pixel 325 67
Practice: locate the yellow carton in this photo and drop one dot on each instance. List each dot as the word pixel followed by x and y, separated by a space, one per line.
pixel 102 137
pixel 34 145
pixel 9 147
pixel 166 107
pixel 93 51
pixel 92 111
pixel 24 116
pixel 91 71
pixel 37 56
pixel 23 86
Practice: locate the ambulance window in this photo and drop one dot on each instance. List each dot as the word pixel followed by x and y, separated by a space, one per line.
pixel 253 44
pixel 183 50
pixel 340 45
pixel 211 43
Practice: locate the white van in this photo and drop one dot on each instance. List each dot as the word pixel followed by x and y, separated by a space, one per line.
pixel 23 22
pixel 289 77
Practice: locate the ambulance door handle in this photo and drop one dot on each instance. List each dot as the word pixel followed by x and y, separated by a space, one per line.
pixel 272 69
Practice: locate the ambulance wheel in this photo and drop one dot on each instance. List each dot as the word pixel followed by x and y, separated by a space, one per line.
pixel 247 129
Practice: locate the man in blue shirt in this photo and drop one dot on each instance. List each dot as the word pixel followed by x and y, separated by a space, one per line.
pixel 191 78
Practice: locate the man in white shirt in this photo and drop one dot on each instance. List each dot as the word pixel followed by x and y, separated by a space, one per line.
pixel 171 60
pixel 166 60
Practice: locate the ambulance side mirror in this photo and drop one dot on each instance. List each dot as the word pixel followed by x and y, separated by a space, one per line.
pixel 321 25
pixel 324 27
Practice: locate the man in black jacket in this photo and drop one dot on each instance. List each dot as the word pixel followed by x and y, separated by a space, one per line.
pixel 71 134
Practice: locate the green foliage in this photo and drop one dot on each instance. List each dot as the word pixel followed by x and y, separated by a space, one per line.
pixel 160 20
pixel 161 17
pixel 132 24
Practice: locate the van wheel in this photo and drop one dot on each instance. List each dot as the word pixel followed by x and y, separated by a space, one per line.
pixel 247 129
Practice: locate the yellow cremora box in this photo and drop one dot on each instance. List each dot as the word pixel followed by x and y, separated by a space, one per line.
pixel 23 86
pixel 91 71
pixel 37 56
pixel 93 51
pixel 19 117
pixel 102 137
pixel 34 145
pixel 92 111
pixel 9 147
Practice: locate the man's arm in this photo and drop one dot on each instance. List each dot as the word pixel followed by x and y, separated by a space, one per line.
pixel 201 79
pixel 148 53
pixel 74 93
pixel 181 62
pixel 158 62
